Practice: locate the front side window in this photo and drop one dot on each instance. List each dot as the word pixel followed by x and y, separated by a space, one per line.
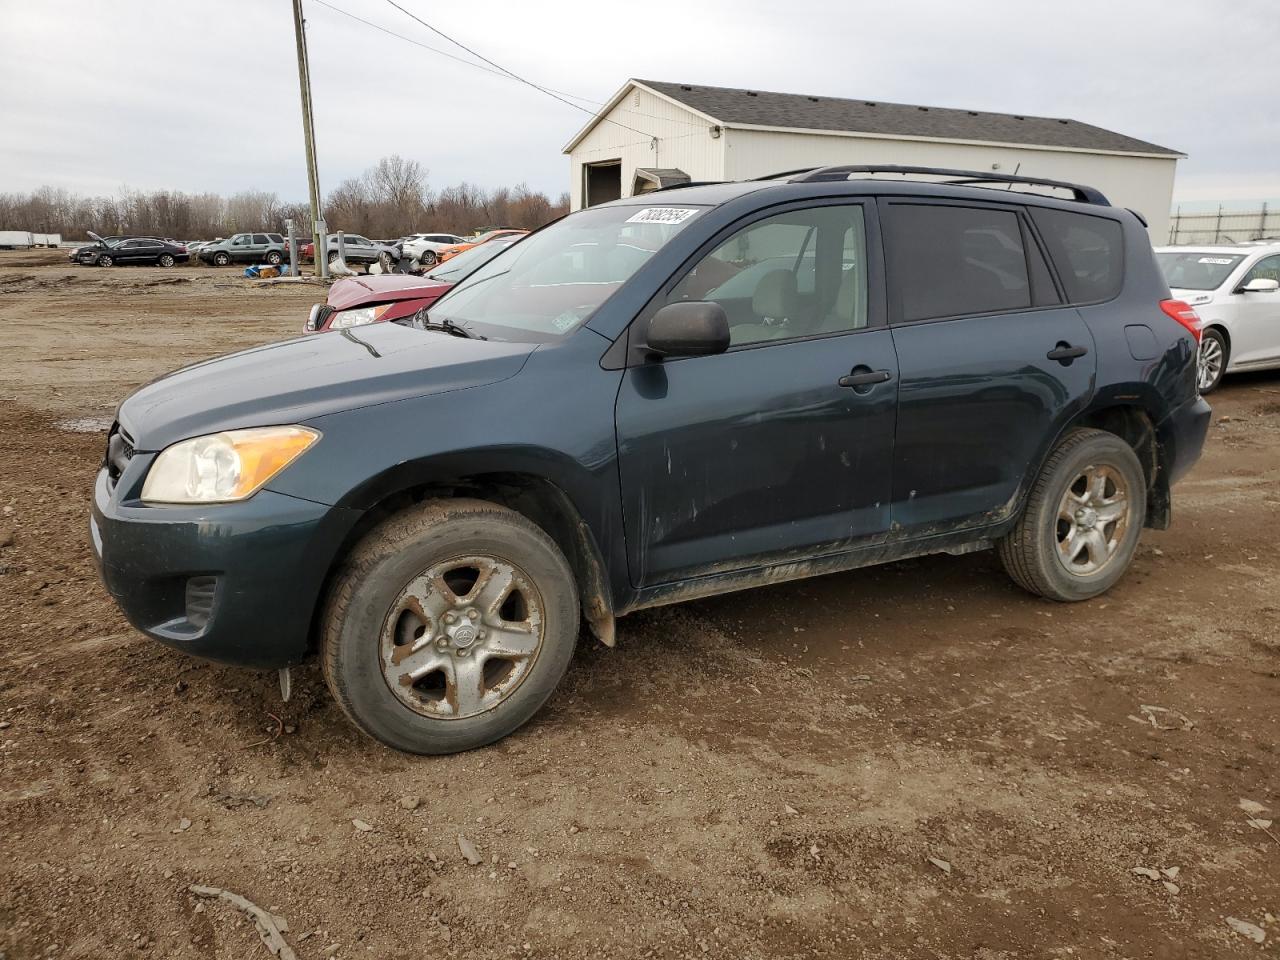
pixel 797 274
pixel 1268 268
pixel 948 261
pixel 241 240
pixel 1088 250
pixel 551 282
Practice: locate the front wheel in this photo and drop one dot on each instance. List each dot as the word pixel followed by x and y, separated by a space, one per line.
pixel 221 259
pixel 1211 362
pixel 105 260
pixel 449 626
pixel 1080 528
pixel 427 258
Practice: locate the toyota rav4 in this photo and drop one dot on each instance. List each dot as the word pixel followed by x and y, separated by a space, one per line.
pixel 664 397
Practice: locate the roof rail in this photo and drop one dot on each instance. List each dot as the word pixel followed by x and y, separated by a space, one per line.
pixel 962 178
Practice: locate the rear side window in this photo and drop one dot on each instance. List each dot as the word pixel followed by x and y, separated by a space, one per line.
pixel 948 261
pixel 1089 252
pixel 260 238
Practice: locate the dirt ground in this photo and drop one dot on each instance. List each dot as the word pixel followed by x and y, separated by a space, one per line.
pixel 917 760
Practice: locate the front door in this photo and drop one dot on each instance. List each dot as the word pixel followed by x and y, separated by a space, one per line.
pixel 781 448
pixel 991 361
pixel 1255 332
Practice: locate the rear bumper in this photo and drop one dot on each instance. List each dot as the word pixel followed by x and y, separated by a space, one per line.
pixel 1182 435
pixel 237 583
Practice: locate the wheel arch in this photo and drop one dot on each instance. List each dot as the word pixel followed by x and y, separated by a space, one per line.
pixel 1135 423
pixel 530 494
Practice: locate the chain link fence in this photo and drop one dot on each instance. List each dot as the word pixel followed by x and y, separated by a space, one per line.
pixel 1225 226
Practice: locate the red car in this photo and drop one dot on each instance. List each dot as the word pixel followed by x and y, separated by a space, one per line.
pixel 355 301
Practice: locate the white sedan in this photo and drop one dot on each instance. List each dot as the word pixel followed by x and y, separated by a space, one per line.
pixel 1236 291
pixel 425 247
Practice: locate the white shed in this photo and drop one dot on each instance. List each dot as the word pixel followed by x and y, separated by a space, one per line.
pixel 653 133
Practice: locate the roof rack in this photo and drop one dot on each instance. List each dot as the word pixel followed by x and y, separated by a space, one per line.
pixel 962 178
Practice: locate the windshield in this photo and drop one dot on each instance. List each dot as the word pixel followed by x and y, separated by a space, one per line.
pixel 550 283
pixel 1197 271
pixel 457 267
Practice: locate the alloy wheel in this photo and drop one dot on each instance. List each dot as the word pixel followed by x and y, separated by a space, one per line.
pixel 1209 366
pixel 1093 515
pixel 461 637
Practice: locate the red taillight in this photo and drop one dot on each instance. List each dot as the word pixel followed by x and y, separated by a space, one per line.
pixel 1185 314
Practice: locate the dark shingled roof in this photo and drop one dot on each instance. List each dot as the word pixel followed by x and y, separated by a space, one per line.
pixel 761 108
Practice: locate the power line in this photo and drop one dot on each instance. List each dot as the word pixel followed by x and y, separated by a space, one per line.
pixel 435 50
pixel 515 76
pixel 506 75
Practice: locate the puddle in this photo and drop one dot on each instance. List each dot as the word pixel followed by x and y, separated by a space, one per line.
pixel 85 424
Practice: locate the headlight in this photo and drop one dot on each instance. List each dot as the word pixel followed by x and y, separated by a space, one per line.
pixel 224 467
pixel 358 317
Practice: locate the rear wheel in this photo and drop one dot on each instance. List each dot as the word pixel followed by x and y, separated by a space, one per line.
pixel 1212 361
pixel 274 257
pixel 1080 528
pixel 221 259
pixel 333 255
pixel 449 626
pixel 166 260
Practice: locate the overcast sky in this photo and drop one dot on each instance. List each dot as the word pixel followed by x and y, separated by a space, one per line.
pixel 204 96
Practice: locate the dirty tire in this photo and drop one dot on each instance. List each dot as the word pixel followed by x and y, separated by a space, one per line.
pixel 105 261
pixel 428 258
pixel 384 563
pixel 221 259
pixel 1030 551
pixel 274 257
pixel 166 260
pixel 332 256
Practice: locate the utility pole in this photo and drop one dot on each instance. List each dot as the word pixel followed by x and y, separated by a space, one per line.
pixel 309 134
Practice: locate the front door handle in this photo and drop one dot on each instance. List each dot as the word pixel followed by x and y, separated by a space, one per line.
pixel 866 379
pixel 1064 352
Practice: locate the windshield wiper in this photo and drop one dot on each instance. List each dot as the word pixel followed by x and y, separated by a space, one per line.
pixel 447 326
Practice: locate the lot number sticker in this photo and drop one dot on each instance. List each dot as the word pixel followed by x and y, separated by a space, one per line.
pixel 662 215
pixel 1222 260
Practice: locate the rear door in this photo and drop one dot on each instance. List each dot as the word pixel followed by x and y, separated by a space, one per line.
pixel 769 452
pixel 991 360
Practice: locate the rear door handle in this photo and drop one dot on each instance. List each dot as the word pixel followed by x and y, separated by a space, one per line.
pixel 864 379
pixel 1065 352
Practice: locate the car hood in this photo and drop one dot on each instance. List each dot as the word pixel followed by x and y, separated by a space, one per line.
pixel 297 380
pixel 353 292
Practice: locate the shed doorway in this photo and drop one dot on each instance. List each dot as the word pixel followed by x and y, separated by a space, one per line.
pixel 602 181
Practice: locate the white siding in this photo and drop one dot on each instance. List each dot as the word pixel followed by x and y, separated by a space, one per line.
pixel 1140 183
pixel 683 141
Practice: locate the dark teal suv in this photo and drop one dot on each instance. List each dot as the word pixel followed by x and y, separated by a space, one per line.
pixel 665 397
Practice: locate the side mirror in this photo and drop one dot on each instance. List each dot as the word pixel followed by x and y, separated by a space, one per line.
pixel 1261 285
pixel 692 328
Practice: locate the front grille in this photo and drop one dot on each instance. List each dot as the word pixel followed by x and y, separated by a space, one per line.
pixel 119 452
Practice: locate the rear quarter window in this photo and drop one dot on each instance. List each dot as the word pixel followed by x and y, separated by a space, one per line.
pixel 1088 251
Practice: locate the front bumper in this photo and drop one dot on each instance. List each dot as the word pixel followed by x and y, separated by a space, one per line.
pixel 237 583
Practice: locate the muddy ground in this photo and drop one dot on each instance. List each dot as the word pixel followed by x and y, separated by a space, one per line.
pixel 913 761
